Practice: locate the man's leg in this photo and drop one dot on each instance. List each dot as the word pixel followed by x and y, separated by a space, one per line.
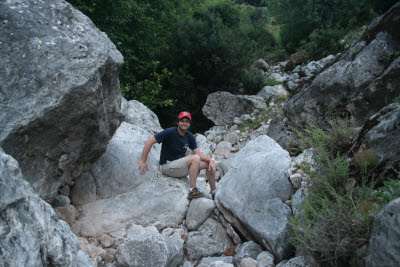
pixel 210 174
pixel 193 163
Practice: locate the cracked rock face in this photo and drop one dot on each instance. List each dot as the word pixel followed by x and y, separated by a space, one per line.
pixel 59 91
pixel 30 232
pixel 355 84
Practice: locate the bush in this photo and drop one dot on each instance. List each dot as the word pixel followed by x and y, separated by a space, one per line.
pixel 336 217
pixel 389 191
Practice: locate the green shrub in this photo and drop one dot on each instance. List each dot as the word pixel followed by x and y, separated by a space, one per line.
pixel 337 215
pixel 389 191
pixel 271 81
pixel 397 100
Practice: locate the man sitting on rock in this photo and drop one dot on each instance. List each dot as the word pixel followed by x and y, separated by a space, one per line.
pixel 173 159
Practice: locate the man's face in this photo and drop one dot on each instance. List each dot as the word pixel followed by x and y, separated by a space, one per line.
pixel 184 124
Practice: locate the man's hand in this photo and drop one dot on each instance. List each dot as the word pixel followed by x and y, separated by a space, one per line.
pixel 143 167
pixel 211 165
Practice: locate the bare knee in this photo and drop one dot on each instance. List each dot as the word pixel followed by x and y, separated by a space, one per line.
pixel 193 159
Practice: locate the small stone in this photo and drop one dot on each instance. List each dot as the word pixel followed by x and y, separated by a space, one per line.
pixel 248 262
pixel 296 180
pixel 106 241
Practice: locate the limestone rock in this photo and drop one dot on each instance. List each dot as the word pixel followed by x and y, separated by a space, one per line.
pixel 256 188
pixel 223 107
pixel 378 137
pixel 31 233
pixel 198 212
pixel 271 93
pixel 232 138
pixel 209 240
pixel 223 148
pixel 247 250
pixel 204 144
pixel 384 243
pixel 138 114
pixel 207 261
pixel 265 259
pixel 301 261
pixel 60 97
pixel 146 247
pixel 67 213
pixel 358 84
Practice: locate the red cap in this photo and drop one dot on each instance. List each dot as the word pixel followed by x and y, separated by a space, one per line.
pixel 184 114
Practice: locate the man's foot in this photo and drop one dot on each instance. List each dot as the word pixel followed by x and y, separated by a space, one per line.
pixel 195 193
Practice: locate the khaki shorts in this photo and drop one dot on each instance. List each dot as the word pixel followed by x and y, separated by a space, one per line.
pixel 176 168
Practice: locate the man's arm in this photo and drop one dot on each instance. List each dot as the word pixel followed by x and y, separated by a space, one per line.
pixel 146 149
pixel 204 157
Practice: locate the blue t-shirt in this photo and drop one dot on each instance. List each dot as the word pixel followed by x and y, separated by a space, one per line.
pixel 174 145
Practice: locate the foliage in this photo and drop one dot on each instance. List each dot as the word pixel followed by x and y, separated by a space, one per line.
pixel 389 191
pixel 336 218
pixel 271 81
pixel 388 57
pixel 397 100
pixel 366 160
pixel 322 23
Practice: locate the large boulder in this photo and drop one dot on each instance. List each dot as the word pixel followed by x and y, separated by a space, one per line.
pixel 252 194
pixel 60 96
pixel 271 93
pixel 222 107
pixel 379 137
pixel 147 247
pixel 384 243
pixel 30 232
pixel 113 193
pixel 138 114
pixel 359 83
pixel 210 239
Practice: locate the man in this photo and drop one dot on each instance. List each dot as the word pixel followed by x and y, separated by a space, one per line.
pixel 173 159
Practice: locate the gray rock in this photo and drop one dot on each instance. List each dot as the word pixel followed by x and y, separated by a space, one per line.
pixel 297 200
pixel 248 262
pixel 212 135
pixel 60 100
pixel 384 243
pixel 259 172
pixel 379 135
pixel 271 93
pixel 221 264
pixel 138 114
pixel 224 166
pixel 223 148
pixel 261 64
pixel 358 84
pixel 119 186
pixel 245 118
pixel 198 212
pixel 207 261
pixel 116 171
pixel 203 144
pixel 279 76
pixel 146 247
pixel 60 200
pixel 279 131
pixel 30 232
pixel 312 68
pixel 232 138
pixel 223 107
pixel 247 250
pixel 209 240
pixel 265 259
pixel 83 260
pixel 301 261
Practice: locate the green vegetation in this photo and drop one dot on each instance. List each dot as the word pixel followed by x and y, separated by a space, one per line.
pixel 319 25
pixel 177 52
pixel 271 81
pixel 338 214
pixel 388 57
pixel 397 100
pixel 389 191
